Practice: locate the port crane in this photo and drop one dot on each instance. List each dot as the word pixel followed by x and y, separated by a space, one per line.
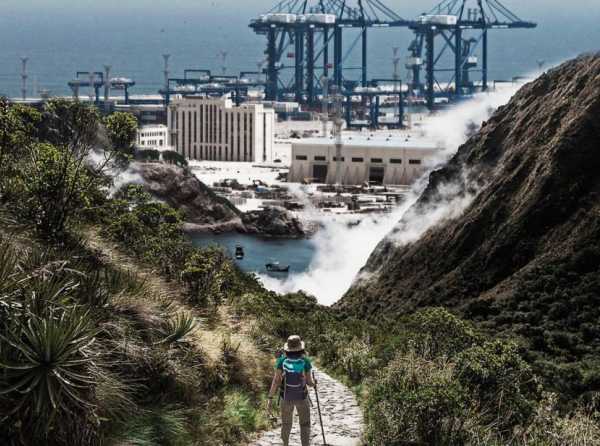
pixel 452 20
pixel 305 31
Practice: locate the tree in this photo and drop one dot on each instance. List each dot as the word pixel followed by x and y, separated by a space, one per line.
pixel 122 132
pixel 18 130
pixel 55 187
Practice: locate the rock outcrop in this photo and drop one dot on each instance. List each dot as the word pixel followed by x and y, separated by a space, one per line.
pixel 524 255
pixel 272 222
pixel 182 190
pixel 204 211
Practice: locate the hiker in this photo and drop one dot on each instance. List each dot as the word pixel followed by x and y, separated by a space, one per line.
pixel 292 375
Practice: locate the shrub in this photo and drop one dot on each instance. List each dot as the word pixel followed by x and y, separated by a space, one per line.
pixel 356 360
pixel 416 400
pixel 437 332
pixel 172 157
pixel 501 382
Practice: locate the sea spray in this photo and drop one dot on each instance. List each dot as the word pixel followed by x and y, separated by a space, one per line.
pixel 342 249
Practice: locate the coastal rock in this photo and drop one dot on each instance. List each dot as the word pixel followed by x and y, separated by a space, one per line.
pixel 182 190
pixel 272 222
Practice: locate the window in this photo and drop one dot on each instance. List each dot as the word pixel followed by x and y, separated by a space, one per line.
pixel 357 160
pixel 341 158
pixel 320 158
pixel 376 160
pixel 301 157
pixel 396 161
pixel 414 161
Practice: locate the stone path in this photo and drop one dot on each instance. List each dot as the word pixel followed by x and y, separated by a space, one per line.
pixel 342 418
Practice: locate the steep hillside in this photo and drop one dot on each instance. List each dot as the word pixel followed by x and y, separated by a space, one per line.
pixel 525 253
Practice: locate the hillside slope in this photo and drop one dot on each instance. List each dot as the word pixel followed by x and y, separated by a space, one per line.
pixel 525 253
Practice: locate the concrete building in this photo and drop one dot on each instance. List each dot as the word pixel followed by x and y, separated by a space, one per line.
pixel 397 160
pixel 205 128
pixel 153 137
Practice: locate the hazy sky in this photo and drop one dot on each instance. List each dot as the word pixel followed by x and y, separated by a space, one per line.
pixel 403 7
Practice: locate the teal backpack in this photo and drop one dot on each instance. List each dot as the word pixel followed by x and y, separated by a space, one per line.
pixel 294 382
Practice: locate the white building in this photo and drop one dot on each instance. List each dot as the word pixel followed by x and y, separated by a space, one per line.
pixel 153 137
pixel 397 160
pixel 204 128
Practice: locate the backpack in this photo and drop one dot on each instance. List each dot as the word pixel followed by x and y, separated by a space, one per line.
pixel 294 382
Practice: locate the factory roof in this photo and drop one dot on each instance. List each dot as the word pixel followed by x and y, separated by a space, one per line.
pixel 378 141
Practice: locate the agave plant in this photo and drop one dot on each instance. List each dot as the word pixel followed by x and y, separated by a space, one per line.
pixel 178 327
pixel 47 364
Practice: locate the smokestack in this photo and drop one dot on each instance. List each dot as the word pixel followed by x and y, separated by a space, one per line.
pixel 107 88
pixel 24 77
pixel 166 73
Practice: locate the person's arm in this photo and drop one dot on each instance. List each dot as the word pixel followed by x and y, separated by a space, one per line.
pixel 277 379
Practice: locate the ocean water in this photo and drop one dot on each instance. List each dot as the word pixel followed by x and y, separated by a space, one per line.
pixel 61 37
pixel 297 253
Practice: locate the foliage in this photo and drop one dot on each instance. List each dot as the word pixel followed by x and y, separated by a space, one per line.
pixel 55 186
pixel 18 130
pixel 147 155
pixel 416 400
pixel 178 327
pixel 501 381
pixel 122 130
pixel 172 157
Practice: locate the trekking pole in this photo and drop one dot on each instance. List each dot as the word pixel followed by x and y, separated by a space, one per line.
pixel 319 410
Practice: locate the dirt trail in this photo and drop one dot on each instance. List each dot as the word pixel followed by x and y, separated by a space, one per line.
pixel 342 418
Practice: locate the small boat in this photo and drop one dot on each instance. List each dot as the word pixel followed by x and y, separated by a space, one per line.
pixel 275 267
pixel 239 252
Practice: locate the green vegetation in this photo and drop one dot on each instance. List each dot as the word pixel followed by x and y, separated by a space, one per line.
pixel 121 129
pixel 429 378
pixel 95 352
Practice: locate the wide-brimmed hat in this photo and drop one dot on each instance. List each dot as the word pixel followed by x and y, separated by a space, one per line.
pixel 294 344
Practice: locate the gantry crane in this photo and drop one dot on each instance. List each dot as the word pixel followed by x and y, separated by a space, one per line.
pixel 304 30
pixel 452 20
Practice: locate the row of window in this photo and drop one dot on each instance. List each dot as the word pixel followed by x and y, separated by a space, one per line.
pixel 359 160
pixel 152 143
pixel 151 134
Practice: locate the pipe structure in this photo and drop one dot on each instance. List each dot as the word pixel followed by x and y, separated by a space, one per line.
pixel 429 49
pixel 364 79
pixel 166 74
pixel 458 62
pixel 310 64
pixel 299 58
pixel 107 69
pixel 272 75
pixel 24 77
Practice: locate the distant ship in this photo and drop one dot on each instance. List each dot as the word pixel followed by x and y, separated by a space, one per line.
pixel 275 267
pixel 239 252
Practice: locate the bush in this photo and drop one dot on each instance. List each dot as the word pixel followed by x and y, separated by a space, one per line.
pixel 416 400
pixel 356 360
pixel 172 157
pixel 437 332
pixel 501 382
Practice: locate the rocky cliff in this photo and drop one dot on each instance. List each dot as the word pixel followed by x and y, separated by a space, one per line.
pixel 204 211
pixel 182 190
pixel 524 255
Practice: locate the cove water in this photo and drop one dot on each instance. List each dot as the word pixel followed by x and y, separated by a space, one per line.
pixel 297 253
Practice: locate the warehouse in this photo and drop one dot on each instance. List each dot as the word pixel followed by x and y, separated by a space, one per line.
pixel 397 160
pixel 207 128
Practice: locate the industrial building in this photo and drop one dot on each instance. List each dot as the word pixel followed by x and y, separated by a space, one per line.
pixel 393 160
pixel 208 128
pixel 153 137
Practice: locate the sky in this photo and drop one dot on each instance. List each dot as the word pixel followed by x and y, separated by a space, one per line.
pixel 405 8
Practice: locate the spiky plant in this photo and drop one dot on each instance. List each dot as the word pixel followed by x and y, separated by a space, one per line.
pixel 47 366
pixel 178 327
